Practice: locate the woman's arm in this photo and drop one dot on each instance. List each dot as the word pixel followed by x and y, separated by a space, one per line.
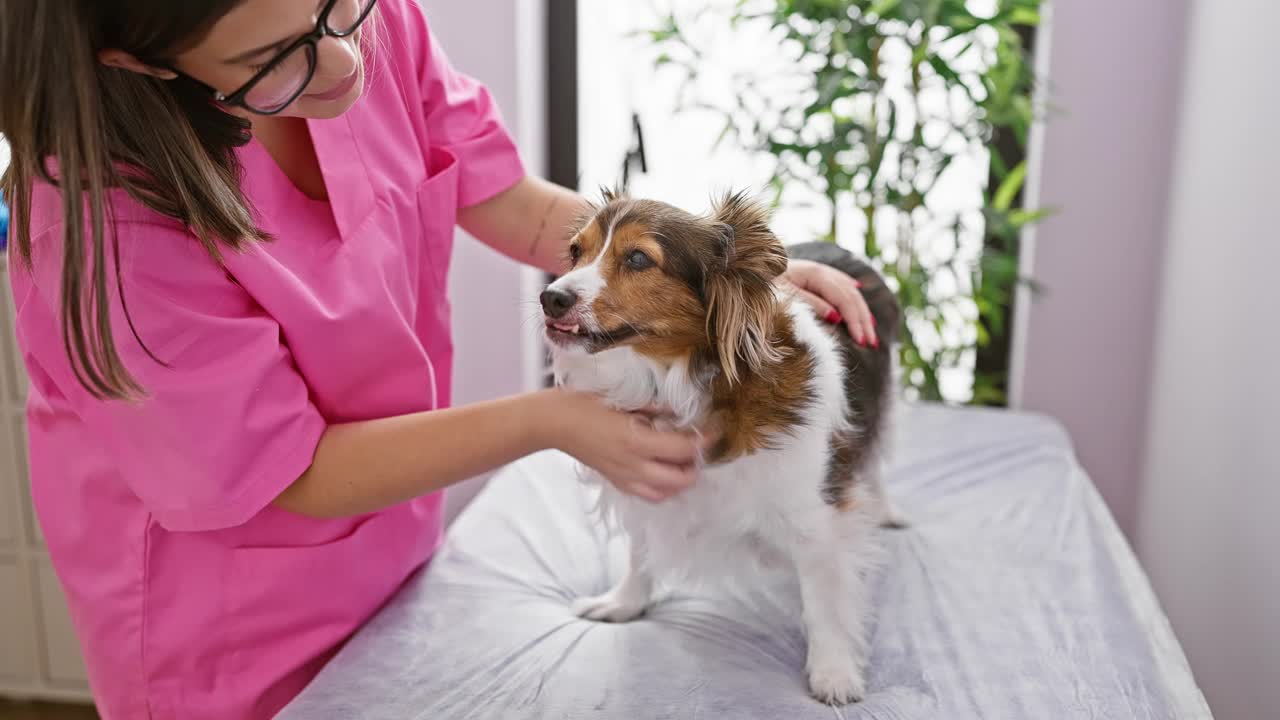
pixel 366 466
pixel 531 222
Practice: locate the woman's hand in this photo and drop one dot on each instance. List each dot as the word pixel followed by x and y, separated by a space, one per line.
pixel 625 448
pixel 835 296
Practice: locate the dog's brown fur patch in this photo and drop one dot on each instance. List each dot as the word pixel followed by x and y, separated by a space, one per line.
pixel 764 402
pixel 664 310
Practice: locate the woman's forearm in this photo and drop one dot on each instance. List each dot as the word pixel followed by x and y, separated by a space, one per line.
pixel 366 466
pixel 531 222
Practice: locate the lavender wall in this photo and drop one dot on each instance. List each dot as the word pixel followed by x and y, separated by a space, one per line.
pixel 1207 532
pixel 499 42
pixel 1105 161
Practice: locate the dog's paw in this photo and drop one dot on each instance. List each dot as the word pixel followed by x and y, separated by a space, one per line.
pixel 609 607
pixel 837 683
pixel 891 518
pixel 894 520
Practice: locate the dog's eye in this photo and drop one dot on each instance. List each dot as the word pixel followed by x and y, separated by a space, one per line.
pixel 575 253
pixel 637 260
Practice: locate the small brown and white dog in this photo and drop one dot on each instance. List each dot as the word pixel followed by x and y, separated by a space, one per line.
pixel 662 307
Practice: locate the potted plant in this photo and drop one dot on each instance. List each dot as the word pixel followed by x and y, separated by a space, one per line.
pixel 891 96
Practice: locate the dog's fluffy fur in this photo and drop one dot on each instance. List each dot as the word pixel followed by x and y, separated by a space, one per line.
pixel 666 308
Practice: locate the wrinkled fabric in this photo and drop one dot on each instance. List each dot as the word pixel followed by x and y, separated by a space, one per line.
pixel 1012 595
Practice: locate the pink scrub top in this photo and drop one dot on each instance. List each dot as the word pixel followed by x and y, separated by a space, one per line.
pixel 193 598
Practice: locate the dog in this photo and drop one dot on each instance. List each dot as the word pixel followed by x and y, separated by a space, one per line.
pixel 664 308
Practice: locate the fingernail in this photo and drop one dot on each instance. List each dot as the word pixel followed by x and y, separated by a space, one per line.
pixel 833 317
pixel 858 283
pixel 875 343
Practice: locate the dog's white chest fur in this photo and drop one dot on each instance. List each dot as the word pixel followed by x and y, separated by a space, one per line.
pixel 751 506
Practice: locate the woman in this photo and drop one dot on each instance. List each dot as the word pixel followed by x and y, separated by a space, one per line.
pixel 233 225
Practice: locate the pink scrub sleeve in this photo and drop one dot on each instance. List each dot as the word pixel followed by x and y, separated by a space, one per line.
pixel 461 117
pixel 226 423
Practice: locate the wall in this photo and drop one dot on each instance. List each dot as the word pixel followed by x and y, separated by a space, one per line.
pixel 1208 532
pixel 499 42
pixel 1104 160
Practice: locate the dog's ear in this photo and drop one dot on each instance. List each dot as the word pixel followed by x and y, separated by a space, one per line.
pixel 741 300
pixel 610 194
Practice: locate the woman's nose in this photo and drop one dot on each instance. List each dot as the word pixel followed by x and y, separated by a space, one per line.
pixel 337 58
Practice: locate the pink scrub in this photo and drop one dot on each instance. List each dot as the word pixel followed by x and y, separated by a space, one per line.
pixel 192 597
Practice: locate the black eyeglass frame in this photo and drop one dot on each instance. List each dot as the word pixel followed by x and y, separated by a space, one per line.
pixel 313 38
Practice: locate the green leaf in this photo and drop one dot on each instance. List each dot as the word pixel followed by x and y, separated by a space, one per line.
pixel 1024 16
pixel 946 72
pixel 931 11
pixel 883 7
pixel 1022 218
pixel 919 53
pixel 998 167
pixel 1010 187
pixel 960 20
pixel 989 395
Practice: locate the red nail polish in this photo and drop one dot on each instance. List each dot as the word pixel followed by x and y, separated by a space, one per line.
pixel 858 283
pixel 833 317
pixel 875 343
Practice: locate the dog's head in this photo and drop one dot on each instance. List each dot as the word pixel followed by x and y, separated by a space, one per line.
pixel 670 284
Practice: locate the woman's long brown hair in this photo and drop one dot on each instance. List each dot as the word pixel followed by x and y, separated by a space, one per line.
pixel 163 142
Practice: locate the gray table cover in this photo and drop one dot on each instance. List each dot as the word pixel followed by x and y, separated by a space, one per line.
pixel 1012 595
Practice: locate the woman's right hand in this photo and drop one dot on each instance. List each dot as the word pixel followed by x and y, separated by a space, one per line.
pixel 624 447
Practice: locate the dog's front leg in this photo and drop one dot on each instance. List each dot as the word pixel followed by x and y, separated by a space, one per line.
pixel 628 599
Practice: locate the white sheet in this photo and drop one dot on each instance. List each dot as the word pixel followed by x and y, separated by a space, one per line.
pixel 1012 595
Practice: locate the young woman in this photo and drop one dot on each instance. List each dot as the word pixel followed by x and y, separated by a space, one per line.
pixel 233 228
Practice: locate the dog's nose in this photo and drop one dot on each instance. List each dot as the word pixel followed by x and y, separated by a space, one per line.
pixel 555 303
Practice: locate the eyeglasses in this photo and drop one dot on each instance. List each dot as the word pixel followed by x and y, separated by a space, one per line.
pixel 286 76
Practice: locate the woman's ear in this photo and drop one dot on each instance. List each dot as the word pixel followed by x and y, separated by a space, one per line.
pixel 125 61
pixel 741 298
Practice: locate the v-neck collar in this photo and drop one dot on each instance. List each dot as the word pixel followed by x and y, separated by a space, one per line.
pixel 351 195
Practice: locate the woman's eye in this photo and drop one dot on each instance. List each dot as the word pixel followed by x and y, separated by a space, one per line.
pixel 575 254
pixel 258 68
pixel 637 260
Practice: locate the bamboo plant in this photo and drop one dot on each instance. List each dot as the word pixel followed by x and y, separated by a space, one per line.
pixel 860 135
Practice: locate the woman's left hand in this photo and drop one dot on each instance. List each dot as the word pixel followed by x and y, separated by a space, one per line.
pixel 835 296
